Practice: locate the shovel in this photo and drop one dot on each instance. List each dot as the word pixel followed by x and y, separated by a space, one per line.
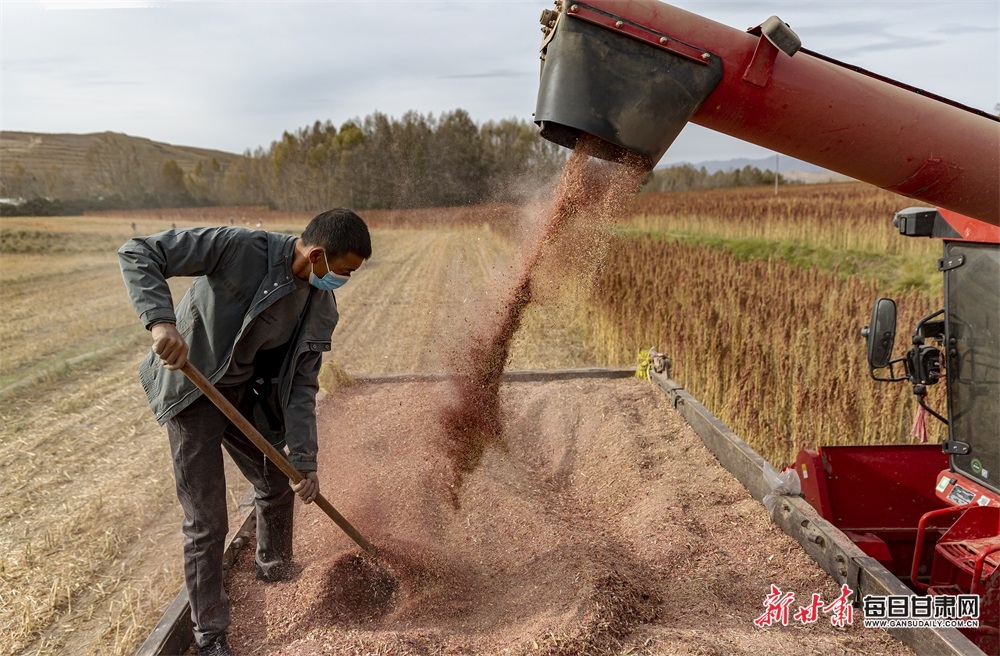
pixel 272 454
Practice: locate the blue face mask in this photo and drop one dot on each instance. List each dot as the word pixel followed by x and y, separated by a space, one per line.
pixel 330 281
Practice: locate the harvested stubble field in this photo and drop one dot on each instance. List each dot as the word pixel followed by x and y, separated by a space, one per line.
pixel 90 528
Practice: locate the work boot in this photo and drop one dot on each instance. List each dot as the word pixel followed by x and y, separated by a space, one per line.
pixel 218 647
pixel 283 572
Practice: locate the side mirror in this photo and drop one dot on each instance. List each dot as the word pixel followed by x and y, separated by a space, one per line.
pixel 880 334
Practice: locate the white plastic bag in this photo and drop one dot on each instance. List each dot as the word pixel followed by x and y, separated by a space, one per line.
pixel 783 483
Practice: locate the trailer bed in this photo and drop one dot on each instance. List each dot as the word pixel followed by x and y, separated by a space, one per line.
pixel 603 523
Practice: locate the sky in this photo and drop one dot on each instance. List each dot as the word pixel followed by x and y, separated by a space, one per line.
pixel 234 76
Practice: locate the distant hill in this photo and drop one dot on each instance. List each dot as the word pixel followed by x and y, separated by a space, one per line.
pixel 69 173
pixel 788 167
pixel 38 151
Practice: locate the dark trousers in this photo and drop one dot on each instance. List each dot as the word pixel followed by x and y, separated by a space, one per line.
pixel 196 435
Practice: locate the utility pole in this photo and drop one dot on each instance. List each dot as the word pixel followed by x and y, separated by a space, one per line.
pixel 776 174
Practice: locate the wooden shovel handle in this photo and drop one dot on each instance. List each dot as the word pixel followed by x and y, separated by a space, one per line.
pixel 275 456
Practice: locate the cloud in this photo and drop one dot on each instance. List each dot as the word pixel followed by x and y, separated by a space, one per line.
pixel 74 5
pixel 233 75
pixel 954 29
pixel 488 74
pixel 38 65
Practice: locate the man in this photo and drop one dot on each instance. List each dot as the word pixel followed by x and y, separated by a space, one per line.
pixel 256 321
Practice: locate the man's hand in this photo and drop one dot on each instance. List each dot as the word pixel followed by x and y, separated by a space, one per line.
pixel 308 487
pixel 169 345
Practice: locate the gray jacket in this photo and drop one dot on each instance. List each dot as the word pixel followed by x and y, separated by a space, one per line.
pixel 239 273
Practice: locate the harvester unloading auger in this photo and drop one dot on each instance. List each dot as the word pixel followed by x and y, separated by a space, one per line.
pixel 632 73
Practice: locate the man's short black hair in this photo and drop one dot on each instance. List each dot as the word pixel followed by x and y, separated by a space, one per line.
pixel 339 232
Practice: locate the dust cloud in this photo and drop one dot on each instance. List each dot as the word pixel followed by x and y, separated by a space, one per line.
pixel 564 239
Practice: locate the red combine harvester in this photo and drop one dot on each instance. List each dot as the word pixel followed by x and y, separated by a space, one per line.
pixel 633 72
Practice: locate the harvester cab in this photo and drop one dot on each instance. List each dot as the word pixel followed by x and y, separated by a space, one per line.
pixel 957 544
pixel 968 327
pixel 632 73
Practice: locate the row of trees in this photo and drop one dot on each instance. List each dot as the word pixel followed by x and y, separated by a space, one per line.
pixel 383 162
pixel 376 163
pixel 686 177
